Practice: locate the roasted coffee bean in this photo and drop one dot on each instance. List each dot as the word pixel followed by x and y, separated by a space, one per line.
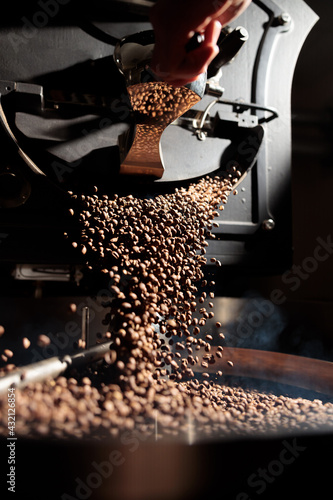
pixel 43 340
pixel 152 253
pixel 72 308
pixel 26 343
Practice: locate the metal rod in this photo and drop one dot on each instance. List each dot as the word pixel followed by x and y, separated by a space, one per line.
pixel 52 367
pixel 85 328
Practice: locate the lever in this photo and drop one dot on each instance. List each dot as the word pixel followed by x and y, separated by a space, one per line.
pixel 229 45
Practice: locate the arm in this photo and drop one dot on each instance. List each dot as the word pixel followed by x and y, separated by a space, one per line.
pixel 175 22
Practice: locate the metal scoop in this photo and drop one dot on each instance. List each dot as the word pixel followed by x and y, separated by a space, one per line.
pixel 155 105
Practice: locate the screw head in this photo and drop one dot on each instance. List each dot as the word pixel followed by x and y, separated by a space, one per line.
pixel 268 224
pixel 202 136
pixel 284 19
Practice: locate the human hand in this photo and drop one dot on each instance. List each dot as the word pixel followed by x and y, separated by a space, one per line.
pixel 175 22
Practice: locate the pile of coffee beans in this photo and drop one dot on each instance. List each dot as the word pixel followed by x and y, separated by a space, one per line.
pixel 151 252
pixel 91 405
pixel 160 103
pixel 155 105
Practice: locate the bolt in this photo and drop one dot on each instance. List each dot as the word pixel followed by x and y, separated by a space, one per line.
pixel 201 135
pixel 268 224
pixel 284 19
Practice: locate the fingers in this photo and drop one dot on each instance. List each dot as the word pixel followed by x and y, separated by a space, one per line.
pixel 193 63
pixel 174 23
pixel 230 10
pixel 212 33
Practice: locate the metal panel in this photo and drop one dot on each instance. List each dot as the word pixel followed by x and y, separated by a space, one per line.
pixel 255 227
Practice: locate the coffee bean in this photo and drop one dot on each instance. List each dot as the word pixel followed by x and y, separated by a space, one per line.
pixel 151 252
pixel 72 308
pixel 43 340
pixel 26 343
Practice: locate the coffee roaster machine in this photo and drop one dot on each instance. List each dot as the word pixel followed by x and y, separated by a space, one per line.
pixel 64 108
pixel 65 102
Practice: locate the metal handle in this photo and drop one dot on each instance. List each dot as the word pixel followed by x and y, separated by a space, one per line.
pixel 52 367
pixel 229 46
